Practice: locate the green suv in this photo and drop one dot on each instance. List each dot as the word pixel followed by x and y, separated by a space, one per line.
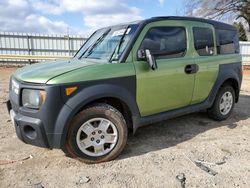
pixel 124 77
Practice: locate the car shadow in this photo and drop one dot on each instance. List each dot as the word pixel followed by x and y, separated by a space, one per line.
pixel 171 132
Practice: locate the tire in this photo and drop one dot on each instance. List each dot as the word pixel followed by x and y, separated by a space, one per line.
pixel 110 130
pixel 217 113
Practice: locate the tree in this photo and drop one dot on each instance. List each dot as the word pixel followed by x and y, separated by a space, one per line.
pixel 242 32
pixel 220 9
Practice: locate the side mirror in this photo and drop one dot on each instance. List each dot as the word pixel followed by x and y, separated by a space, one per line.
pixel 146 55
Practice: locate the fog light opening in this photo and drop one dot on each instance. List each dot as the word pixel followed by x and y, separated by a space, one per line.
pixel 30 132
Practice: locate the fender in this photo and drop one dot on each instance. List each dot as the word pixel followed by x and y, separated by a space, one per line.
pixel 124 90
pixel 227 71
pixel 100 91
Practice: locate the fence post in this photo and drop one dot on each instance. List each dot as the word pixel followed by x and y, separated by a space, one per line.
pixel 28 46
pixel 69 45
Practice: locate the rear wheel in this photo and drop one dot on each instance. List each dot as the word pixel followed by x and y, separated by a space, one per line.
pixel 223 104
pixel 97 134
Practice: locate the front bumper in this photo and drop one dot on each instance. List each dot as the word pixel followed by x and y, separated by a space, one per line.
pixel 39 127
pixel 29 130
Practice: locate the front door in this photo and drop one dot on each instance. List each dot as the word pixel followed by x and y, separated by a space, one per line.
pixel 168 87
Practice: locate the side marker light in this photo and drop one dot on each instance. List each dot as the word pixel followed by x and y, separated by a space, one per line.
pixel 70 90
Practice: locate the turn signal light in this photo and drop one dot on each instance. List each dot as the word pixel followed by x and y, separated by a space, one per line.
pixel 70 90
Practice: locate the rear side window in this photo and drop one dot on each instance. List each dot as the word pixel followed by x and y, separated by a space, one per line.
pixel 228 42
pixel 166 42
pixel 203 41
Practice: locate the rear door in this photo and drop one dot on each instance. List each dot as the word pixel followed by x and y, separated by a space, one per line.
pixel 205 57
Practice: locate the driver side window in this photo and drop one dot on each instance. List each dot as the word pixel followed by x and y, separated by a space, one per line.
pixel 165 42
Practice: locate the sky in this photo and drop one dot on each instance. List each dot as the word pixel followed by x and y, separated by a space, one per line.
pixel 79 17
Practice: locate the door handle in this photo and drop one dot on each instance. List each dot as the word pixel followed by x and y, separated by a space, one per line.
pixel 191 68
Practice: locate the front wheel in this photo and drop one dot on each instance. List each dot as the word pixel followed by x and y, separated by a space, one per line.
pixel 97 134
pixel 223 104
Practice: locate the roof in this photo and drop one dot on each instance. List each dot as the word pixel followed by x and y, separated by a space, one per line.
pixel 216 24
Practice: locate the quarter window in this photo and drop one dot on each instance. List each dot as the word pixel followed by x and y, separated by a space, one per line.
pixel 228 42
pixel 166 42
pixel 203 41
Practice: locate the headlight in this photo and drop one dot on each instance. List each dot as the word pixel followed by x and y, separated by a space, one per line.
pixel 14 86
pixel 33 98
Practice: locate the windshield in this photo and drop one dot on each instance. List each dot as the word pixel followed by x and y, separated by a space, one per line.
pixel 107 44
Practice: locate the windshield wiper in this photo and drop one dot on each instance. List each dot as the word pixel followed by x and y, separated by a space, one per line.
pixel 90 50
pixel 84 52
pixel 118 45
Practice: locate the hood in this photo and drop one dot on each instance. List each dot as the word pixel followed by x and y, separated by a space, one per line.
pixel 42 72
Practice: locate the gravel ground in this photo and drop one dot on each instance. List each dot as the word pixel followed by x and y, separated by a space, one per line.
pixel 159 155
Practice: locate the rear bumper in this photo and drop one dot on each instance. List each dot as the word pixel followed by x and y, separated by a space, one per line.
pixel 29 130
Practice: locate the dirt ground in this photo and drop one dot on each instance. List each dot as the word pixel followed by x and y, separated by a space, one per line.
pixel 153 157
